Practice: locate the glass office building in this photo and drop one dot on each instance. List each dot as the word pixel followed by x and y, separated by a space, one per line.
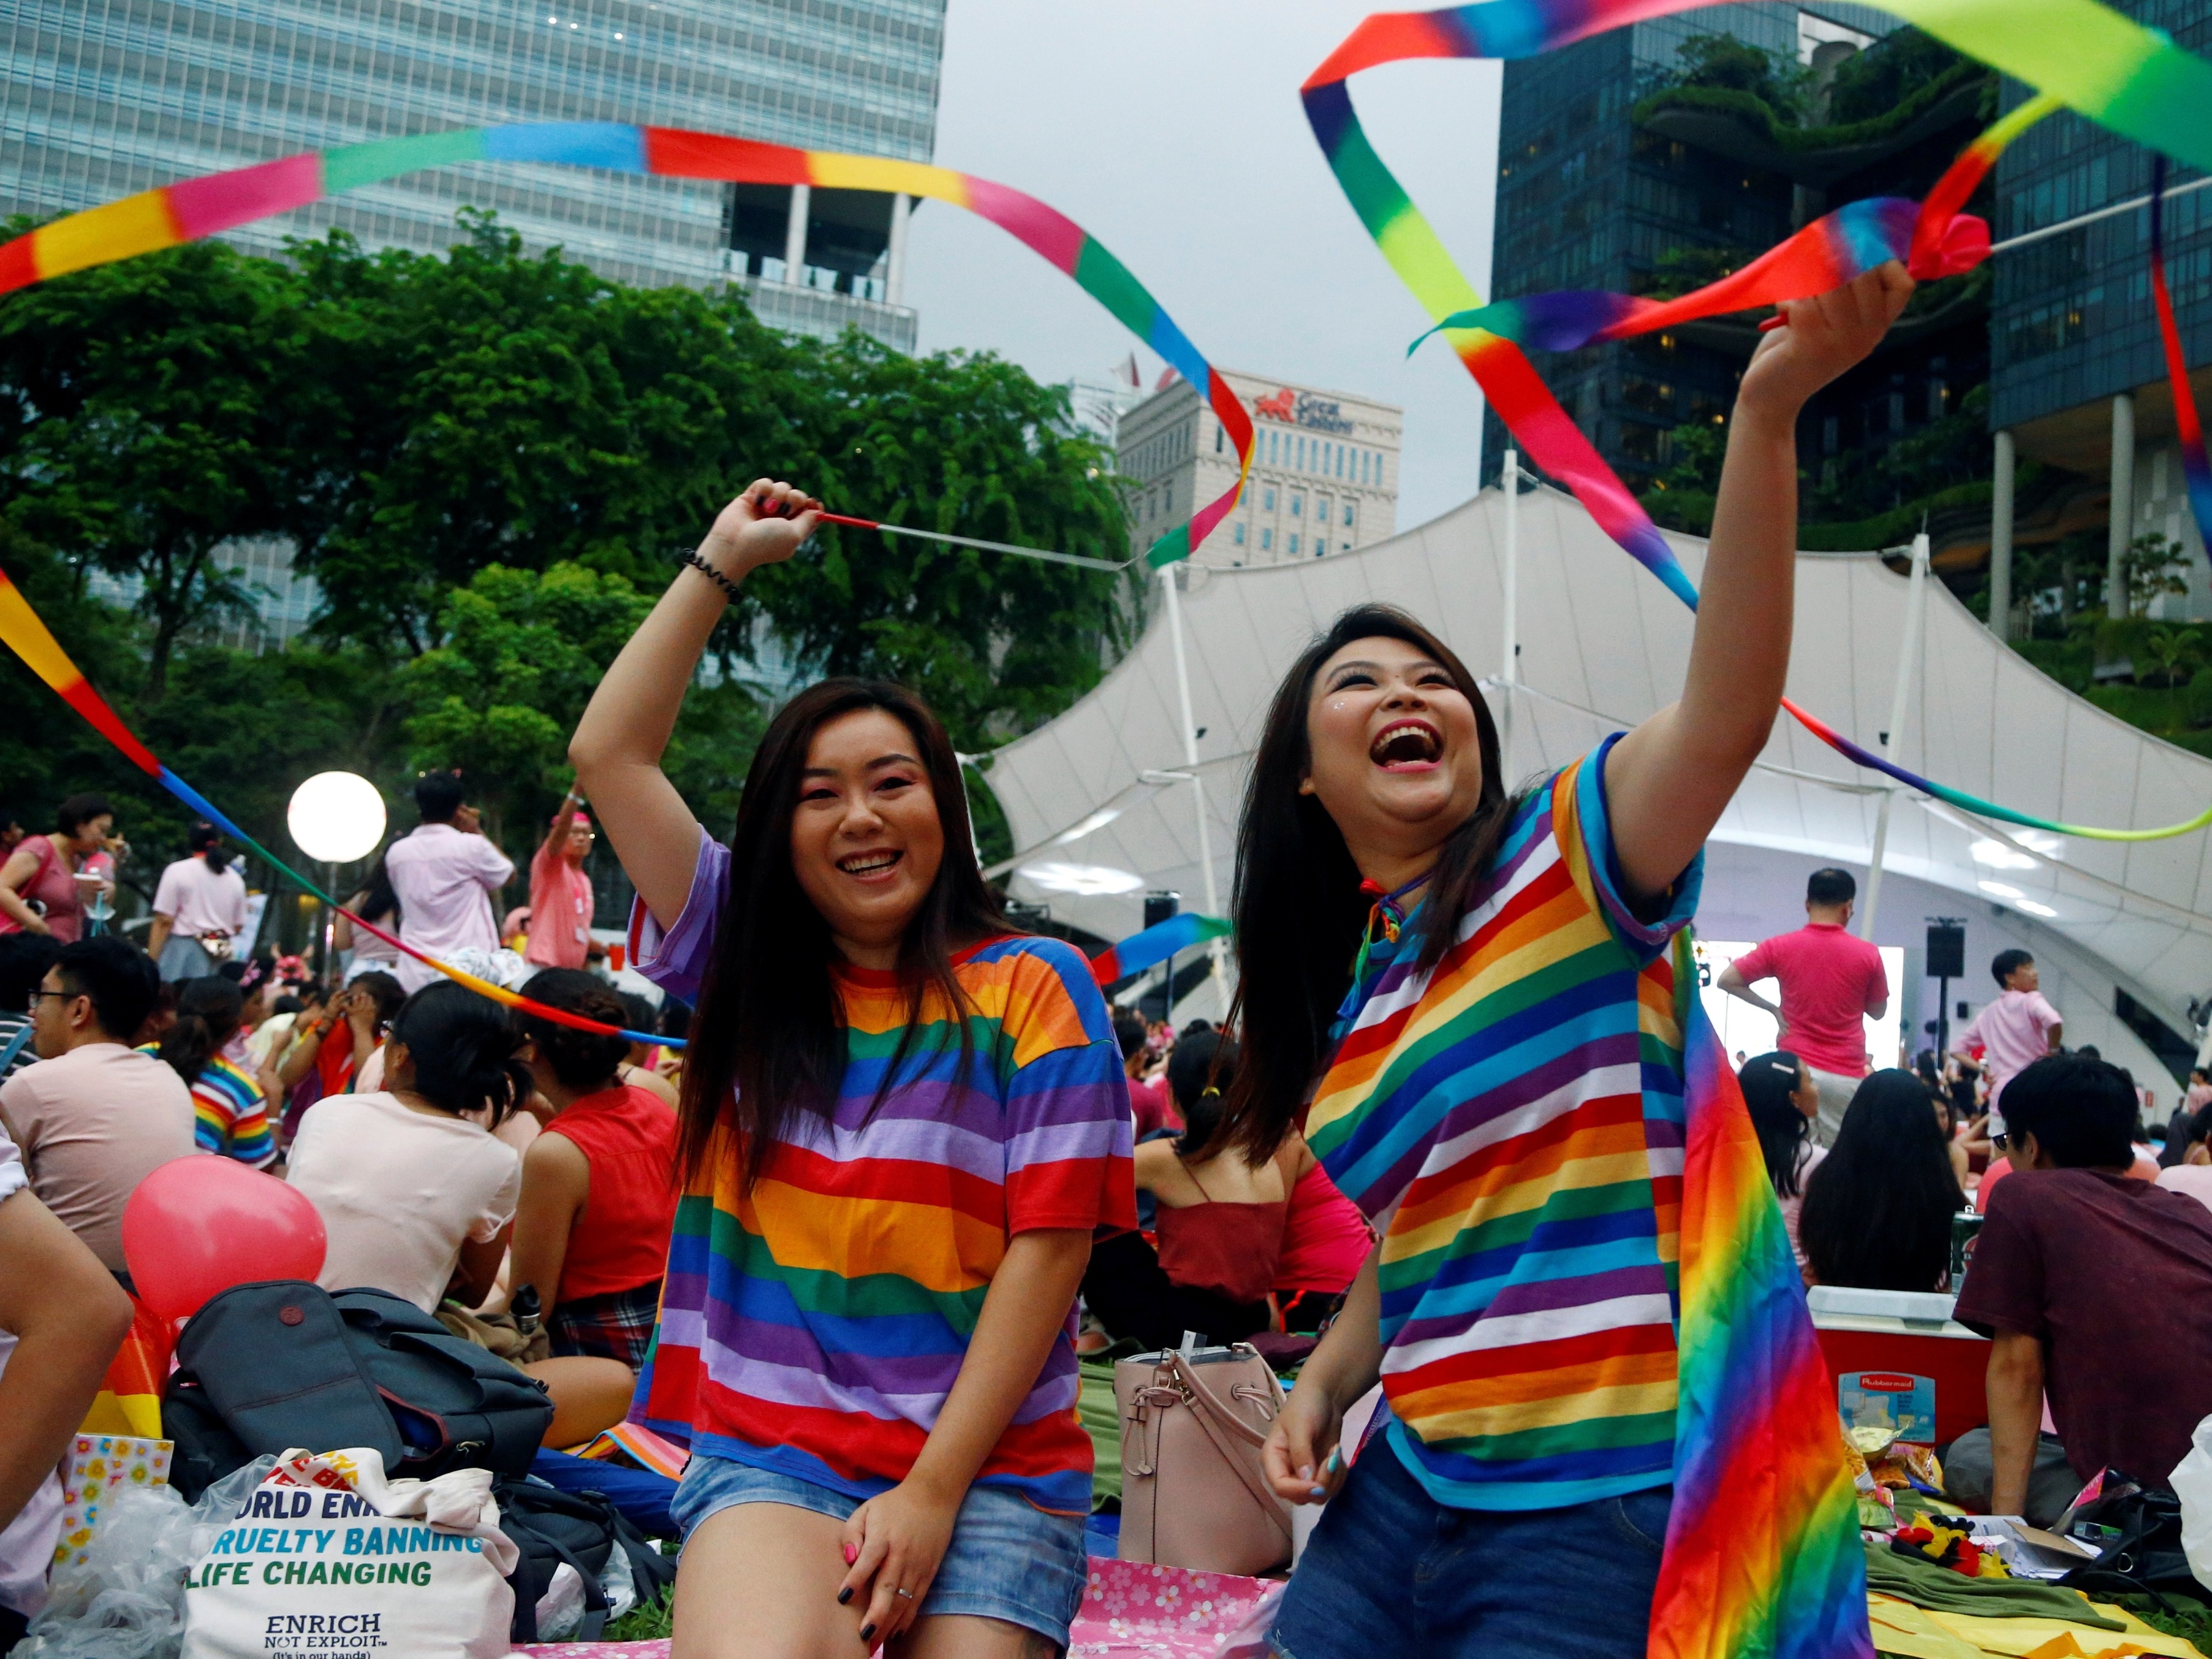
pixel 102 98
pixel 1589 198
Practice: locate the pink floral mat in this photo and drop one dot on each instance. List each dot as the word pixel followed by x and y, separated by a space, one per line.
pixel 1130 1611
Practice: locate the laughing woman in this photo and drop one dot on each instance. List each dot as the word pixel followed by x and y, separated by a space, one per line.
pixel 1497 1084
pixel 900 1124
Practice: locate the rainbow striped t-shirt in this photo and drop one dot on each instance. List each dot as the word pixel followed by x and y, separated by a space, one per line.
pixel 815 1325
pixel 1516 1114
pixel 229 1116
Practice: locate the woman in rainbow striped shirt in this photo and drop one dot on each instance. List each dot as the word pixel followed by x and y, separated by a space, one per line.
pixel 902 1124
pixel 1498 1083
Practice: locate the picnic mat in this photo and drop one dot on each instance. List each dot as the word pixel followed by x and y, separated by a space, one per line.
pixel 1130 1611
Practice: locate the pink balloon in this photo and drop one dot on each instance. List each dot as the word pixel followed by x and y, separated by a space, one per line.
pixel 198 1225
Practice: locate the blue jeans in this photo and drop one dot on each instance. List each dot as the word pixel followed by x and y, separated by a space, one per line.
pixel 1389 1570
pixel 1008 1559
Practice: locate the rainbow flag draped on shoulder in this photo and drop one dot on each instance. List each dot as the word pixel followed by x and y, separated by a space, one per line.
pixel 1763 1552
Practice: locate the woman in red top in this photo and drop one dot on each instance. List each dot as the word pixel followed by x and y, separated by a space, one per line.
pixel 598 1187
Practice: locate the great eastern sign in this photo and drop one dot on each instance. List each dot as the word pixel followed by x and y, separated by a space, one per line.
pixel 1305 409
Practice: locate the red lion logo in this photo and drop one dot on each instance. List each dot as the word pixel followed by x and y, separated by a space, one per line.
pixel 1280 407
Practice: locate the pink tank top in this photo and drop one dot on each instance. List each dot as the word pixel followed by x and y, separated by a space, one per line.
pixel 54 886
pixel 1325 1238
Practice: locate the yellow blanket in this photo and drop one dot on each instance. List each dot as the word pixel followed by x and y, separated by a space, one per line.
pixel 1900 1627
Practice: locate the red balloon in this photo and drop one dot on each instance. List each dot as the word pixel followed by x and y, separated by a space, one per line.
pixel 198 1225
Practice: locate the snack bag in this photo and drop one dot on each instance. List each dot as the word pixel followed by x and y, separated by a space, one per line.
pixel 328 1557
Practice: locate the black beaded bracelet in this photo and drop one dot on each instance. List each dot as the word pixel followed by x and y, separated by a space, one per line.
pixel 691 558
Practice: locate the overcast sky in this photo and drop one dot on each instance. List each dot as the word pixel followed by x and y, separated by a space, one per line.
pixel 1171 131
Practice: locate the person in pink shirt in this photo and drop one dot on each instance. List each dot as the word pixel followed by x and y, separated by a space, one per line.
pixel 560 891
pixel 2014 1032
pixel 1831 983
pixel 445 876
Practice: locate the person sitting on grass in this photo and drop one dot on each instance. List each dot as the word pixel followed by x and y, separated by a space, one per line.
pixel 62 1319
pixel 1877 1212
pixel 416 1190
pixel 2094 1287
pixel 598 1186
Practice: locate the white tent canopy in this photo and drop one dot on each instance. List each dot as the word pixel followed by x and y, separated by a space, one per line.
pixel 1602 645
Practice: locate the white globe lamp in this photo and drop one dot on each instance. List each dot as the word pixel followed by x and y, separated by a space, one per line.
pixel 335 817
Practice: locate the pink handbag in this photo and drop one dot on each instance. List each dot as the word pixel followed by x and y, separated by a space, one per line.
pixel 1192 1492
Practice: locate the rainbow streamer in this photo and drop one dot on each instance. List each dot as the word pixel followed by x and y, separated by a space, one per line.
pixel 2195 470
pixel 2125 77
pixel 129 1397
pixel 2082 54
pixel 194 208
pixel 1934 238
pixel 1156 944
pixel 22 632
pixel 1763 1554
pixel 1827 254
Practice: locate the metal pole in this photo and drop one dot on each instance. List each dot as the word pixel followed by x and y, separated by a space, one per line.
pixel 2000 482
pixel 1197 786
pixel 1893 740
pixel 1510 674
pixel 2120 526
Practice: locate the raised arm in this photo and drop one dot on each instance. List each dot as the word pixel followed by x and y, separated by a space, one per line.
pixel 1668 782
pixel 625 729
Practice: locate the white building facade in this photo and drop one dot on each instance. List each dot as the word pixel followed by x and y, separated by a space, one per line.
pixel 1324 471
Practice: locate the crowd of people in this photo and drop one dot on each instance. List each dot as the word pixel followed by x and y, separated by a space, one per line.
pixel 845 1247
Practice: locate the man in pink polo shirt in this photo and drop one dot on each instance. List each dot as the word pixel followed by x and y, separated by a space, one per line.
pixel 1830 982
pixel 2020 1028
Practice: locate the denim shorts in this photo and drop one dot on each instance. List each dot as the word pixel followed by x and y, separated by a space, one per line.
pixel 1390 1571
pixel 1008 1559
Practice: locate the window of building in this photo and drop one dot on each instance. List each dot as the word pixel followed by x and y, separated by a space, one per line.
pixel 1266 540
pixel 1219 438
pixel 1236 535
pixel 1268 498
pixel 1294 543
pixel 1320 547
pixel 1322 506
pixel 1348 515
pixel 1167 498
pixel 1298 502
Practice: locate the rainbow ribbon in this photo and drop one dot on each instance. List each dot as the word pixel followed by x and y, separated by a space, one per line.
pixel 1156 944
pixel 194 208
pixel 1827 254
pixel 1934 239
pixel 28 637
pixel 2081 55
pixel 1763 1554
pixel 2195 470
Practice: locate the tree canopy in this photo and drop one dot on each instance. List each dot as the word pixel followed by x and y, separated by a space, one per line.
pixel 486 460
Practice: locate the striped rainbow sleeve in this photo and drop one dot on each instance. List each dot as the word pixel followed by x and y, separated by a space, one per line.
pixel 1583 819
pixel 1070 1136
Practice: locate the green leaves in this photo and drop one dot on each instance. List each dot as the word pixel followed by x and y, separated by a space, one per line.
pixel 486 460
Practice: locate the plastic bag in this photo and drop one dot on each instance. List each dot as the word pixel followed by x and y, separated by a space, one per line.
pixel 327 1554
pixel 2192 1484
pixel 125 1600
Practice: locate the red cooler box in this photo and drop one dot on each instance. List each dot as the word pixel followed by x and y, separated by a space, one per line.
pixel 1900 1361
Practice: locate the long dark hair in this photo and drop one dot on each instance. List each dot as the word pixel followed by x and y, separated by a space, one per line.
pixel 767 1041
pixel 462 1047
pixel 380 901
pixel 1768 1081
pixel 1877 1212
pixel 209 1013
pixel 1298 910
